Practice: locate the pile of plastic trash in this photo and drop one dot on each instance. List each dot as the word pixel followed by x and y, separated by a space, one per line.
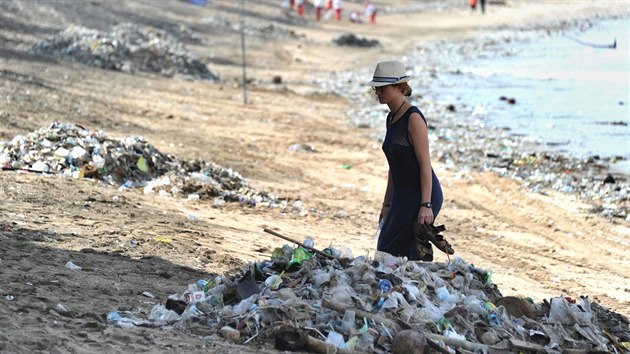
pixel 351 40
pixel 300 300
pixel 127 47
pixel 73 151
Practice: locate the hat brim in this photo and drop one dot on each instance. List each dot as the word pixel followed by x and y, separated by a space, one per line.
pixel 381 83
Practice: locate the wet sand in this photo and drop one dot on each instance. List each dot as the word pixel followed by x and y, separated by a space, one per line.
pixel 537 245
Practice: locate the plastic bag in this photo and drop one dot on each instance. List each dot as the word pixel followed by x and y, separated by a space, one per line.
pixel 160 313
pixel 336 339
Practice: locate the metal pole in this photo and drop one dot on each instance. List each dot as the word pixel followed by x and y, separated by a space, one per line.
pixel 243 51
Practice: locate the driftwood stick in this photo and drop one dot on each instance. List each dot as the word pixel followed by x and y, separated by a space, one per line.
pixel 435 346
pixel 21 169
pixel 372 316
pixel 298 243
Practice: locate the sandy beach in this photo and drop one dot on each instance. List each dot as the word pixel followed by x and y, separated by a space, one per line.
pixel 538 245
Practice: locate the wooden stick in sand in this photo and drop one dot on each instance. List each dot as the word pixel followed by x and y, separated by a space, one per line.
pixel 298 243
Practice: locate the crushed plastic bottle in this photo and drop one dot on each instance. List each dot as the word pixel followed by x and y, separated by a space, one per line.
pixel 336 339
pixel 273 282
pixel 246 305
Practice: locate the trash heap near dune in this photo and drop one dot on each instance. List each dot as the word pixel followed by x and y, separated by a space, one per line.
pixel 351 40
pixel 301 301
pixel 126 47
pixel 73 151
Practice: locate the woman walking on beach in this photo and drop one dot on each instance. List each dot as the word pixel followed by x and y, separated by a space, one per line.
pixel 413 197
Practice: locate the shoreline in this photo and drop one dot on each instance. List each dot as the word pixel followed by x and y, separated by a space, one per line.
pixel 536 166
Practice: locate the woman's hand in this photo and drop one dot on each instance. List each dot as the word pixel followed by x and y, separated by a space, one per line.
pixel 384 211
pixel 425 216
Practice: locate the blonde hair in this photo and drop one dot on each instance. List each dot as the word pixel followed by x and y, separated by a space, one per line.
pixel 404 88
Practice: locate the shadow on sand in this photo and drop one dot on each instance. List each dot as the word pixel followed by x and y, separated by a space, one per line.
pixel 48 307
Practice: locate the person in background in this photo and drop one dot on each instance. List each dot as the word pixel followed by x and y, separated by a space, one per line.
pixel 483 6
pixel 355 17
pixel 329 10
pixel 300 7
pixel 473 4
pixel 338 7
pixel 318 4
pixel 413 197
pixel 370 12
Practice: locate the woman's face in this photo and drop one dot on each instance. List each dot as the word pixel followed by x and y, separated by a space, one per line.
pixel 386 93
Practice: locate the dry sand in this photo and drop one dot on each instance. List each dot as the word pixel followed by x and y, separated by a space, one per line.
pixel 537 246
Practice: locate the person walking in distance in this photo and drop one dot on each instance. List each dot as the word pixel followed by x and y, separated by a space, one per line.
pixel 355 17
pixel 318 4
pixel 329 10
pixel 370 12
pixel 299 5
pixel 338 8
pixel 413 196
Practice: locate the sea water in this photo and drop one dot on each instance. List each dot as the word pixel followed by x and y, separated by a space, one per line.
pixel 572 97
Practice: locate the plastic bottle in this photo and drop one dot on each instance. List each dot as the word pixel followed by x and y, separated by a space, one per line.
pixel 348 321
pixel 385 285
pixel 201 284
pixel 246 305
pixel 494 320
pixel 444 296
pixel 308 242
pixel 380 303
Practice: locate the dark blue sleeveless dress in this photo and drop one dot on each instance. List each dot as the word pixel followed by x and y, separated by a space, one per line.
pixel 397 234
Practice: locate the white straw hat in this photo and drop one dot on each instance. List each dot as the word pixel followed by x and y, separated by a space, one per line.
pixel 389 73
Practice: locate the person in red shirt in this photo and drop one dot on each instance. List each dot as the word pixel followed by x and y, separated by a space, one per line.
pixel 300 7
pixel 318 4
pixel 338 7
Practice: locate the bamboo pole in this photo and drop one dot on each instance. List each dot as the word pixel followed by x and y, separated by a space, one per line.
pixel 298 243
